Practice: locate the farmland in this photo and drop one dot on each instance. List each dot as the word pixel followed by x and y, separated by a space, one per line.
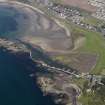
pixel 83 4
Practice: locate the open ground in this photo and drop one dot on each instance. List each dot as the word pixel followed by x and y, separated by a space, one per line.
pixel 83 4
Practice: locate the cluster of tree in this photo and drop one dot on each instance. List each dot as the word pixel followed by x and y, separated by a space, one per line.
pixel 94 97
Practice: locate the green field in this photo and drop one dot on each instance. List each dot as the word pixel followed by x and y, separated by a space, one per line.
pixel 92 21
pixel 95 43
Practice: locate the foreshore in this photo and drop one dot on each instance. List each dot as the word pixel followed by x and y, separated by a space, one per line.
pixel 50 87
pixel 22 54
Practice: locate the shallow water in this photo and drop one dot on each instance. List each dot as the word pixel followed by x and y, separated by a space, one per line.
pixel 20 22
pixel 7 24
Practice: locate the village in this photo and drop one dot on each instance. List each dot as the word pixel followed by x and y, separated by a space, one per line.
pixel 70 13
pixel 100 4
pixel 75 15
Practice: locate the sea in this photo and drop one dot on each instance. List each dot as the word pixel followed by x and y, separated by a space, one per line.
pixel 16 86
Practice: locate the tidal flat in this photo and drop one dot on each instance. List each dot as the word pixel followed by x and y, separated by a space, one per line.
pixel 20 21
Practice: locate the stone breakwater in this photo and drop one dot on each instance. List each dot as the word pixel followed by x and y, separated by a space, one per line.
pixel 58 89
pixel 13 46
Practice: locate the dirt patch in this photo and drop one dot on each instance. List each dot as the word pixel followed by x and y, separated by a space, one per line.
pixel 83 4
pixel 84 62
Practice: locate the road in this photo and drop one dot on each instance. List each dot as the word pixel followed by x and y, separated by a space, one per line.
pixel 21 4
pixel 67 71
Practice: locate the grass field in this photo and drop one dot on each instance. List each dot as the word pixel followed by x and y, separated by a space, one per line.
pixel 95 43
pixel 92 21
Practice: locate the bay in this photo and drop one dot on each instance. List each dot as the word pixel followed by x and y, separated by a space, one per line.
pixel 16 87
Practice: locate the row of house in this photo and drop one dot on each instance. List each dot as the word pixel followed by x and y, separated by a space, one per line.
pixel 42 2
pixel 74 14
pixel 64 11
pixel 100 4
pixel 70 13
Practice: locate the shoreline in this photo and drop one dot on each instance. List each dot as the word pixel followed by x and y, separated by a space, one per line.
pixel 44 82
pixel 24 57
pixel 49 42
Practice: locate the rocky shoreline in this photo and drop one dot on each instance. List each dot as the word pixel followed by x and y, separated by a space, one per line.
pixel 50 83
pixel 13 46
pixel 63 92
